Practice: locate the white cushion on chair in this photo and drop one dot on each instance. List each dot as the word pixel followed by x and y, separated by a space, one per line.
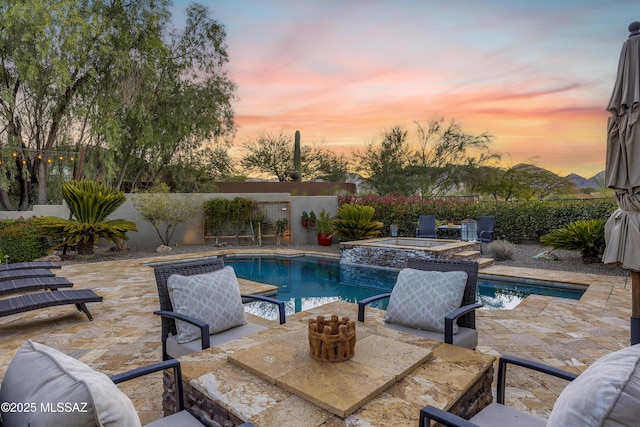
pixel 421 299
pixel 42 375
pixel 213 298
pixel 607 393
pixel 176 350
pixel 466 337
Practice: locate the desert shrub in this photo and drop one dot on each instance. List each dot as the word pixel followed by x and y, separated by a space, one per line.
pixel 501 250
pixel 586 236
pixel 20 241
pixel 165 211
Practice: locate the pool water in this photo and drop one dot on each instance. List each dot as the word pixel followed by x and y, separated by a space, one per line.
pixel 306 282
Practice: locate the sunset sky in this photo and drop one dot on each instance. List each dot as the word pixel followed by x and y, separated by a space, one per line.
pixel 536 74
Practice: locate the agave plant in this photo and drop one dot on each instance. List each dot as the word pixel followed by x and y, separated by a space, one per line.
pixel 89 203
pixel 586 236
pixel 355 222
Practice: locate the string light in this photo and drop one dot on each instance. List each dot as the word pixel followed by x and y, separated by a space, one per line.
pixel 40 155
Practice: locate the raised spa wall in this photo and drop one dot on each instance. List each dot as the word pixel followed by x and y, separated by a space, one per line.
pixel 394 252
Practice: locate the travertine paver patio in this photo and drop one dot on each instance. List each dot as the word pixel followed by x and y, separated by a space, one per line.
pixel 125 334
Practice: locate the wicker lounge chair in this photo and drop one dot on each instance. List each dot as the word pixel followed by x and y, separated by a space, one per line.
pixel 465 315
pixel 29 265
pixel 26 273
pixel 35 301
pixel 33 284
pixel 607 393
pixel 427 228
pixel 39 376
pixel 170 347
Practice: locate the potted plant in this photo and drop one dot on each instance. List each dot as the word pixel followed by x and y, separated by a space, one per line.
pixel 323 229
pixel 312 219
pixel 304 218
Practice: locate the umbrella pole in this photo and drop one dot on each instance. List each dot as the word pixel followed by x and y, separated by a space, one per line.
pixel 635 307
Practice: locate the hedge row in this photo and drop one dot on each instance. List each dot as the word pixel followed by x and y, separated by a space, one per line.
pixel 20 241
pixel 514 221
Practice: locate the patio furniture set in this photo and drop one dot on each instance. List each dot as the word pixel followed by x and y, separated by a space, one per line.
pixel 208 288
pixel 429 229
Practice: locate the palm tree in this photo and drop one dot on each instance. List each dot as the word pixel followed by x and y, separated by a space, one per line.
pixel 89 203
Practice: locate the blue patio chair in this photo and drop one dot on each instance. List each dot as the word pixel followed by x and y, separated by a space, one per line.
pixel 427 227
pixel 485 229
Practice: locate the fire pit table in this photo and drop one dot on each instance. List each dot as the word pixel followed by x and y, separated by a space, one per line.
pixel 270 378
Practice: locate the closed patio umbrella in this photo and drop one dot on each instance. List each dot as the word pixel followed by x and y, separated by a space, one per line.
pixel 622 231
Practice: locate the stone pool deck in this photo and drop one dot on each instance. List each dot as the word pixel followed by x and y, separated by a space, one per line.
pixel 126 334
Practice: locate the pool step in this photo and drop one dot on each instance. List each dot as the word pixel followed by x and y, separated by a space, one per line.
pixel 484 262
pixel 467 255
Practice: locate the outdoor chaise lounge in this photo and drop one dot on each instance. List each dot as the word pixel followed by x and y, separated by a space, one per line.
pixel 215 296
pixel 418 296
pixel 30 284
pixel 29 265
pixel 607 393
pixel 25 273
pixel 40 379
pixel 34 301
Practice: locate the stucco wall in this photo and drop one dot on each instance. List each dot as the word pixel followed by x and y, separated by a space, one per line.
pixel 191 233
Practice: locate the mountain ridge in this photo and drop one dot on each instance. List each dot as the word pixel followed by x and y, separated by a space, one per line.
pixel 595 181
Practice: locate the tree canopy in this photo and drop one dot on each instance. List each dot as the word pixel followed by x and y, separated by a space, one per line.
pixel 433 164
pixel 110 86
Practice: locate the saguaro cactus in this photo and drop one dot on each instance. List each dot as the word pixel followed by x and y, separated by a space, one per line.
pixel 297 160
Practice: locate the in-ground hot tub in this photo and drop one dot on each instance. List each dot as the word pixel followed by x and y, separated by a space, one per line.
pixel 393 252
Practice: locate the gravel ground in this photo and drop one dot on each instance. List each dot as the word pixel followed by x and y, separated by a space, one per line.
pixel 523 256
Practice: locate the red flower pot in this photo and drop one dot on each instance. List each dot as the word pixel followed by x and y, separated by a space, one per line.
pixel 325 239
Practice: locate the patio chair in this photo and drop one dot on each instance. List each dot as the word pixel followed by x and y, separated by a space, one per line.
pixel 607 393
pixel 427 227
pixel 441 329
pixel 485 229
pixel 40 377
pixel 173 346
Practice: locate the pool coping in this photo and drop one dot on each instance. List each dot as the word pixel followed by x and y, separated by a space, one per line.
pixel 598 293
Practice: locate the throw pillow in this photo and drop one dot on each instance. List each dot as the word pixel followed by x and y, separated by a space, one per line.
pixel 421 299
pixel 61 391
pixel 212 297
pixel 607 393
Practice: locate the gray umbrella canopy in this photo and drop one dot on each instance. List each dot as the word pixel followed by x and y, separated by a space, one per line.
pixel 622 231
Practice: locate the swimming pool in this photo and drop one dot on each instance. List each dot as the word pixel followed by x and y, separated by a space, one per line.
pixel 306 282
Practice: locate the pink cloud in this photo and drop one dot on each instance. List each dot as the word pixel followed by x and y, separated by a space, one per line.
pixel 535 75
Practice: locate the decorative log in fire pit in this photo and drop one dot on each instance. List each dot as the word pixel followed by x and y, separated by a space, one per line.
pixel 332 341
